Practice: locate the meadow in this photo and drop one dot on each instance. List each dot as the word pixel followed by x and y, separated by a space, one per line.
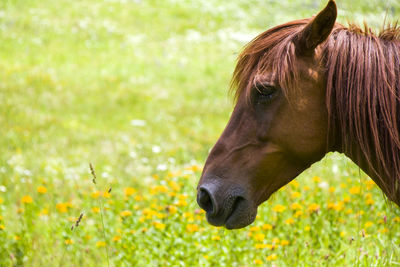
pixel 139 88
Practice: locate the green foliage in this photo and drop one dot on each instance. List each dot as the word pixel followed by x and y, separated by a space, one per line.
pixel 139 88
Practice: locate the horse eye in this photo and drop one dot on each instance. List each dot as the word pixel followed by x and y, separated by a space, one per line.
pixel 264 93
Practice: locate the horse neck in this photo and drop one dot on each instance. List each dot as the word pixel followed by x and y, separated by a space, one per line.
pixel 363 92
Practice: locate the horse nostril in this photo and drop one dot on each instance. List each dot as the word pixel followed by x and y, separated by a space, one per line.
pixel 205 201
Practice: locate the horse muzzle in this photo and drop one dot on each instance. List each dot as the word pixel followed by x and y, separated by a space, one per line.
pixel 225 205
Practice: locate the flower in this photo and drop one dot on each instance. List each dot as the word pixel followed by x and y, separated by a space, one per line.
pixel 159 226
pixel 116 238
pixel 294 183
pixel 96 194
pixel 295 194
pixel 307 228
pixel 272 257
pixel 370 201
pixel 2 227
pixel 332 189
pixel 62 207
pixel 44 212
pixel 129 191
pixel 26 199
pixel 257 261
pixel 216 237
pixel 100 244
pixel 260 246
pixel 1 200
pixel 295 206
pixel 298 214
pixel 316 179
pixel 368 224
pixel 266 226
pixel 259 237
pixel 289 221
pixel 284 242
pixel 192 227
pixel 254 228
pixel 69 242
pixel 41 189
pixel 125 213
pixel 172 209
pixel 96 209
pixel 355 190
pixel 279 208
pixel 313 207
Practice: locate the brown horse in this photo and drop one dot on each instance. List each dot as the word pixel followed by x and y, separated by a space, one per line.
pixel 303 89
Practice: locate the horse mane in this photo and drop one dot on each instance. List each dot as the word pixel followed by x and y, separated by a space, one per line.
pixel 362 71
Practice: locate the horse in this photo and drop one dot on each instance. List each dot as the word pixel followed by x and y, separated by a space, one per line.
pixel 303 89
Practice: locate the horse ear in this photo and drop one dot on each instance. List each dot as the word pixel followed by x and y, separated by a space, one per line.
pixel 317 30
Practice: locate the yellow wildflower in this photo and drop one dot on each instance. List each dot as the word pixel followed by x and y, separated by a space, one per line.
pixel 370 201
pixel 216 237
pixel 26 199
pixel 289 221
pixel 368 224
pixel 307 228
pixel 44 212
pixel 2 227
pixel 106 195
pixel 272 257
pixel 343 233
pixel 260 246
pixel 343 185
pixel 159 226
pixel 129 191
pixel 192 227
pixel 332 189
pixel 100 244
pixel 1 200
pixel 257 261
pixel 69 242
pixel 96 194
pixel 295 206
pixel 383 230
pixel 96 209
pixel 254 228
pixel 294 183
pixel 313 207
pixel 17 237
pixel 125 213
pixel 138 198
pixel 306 188
pixel 370 184
pixel 267 226
pixel 259 237
pixel 284 242
pixel 298 214
pixel 62 207
pixel 279 208
pixel 295 195
pixel 41 189
pixel 172 209
pixel 116 238
pixel 396 219
pixel 316 179
pixel 355 190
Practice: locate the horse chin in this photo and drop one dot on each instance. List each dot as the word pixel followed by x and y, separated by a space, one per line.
pixel 241 216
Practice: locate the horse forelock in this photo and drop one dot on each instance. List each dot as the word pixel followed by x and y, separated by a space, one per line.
pixel 362 71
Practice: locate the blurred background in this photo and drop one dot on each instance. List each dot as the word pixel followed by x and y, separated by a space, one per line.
pixel 139 88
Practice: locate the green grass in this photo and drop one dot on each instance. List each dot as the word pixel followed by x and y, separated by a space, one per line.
pixel 75 78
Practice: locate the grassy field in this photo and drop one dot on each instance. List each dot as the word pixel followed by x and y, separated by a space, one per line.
pixel 139 89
